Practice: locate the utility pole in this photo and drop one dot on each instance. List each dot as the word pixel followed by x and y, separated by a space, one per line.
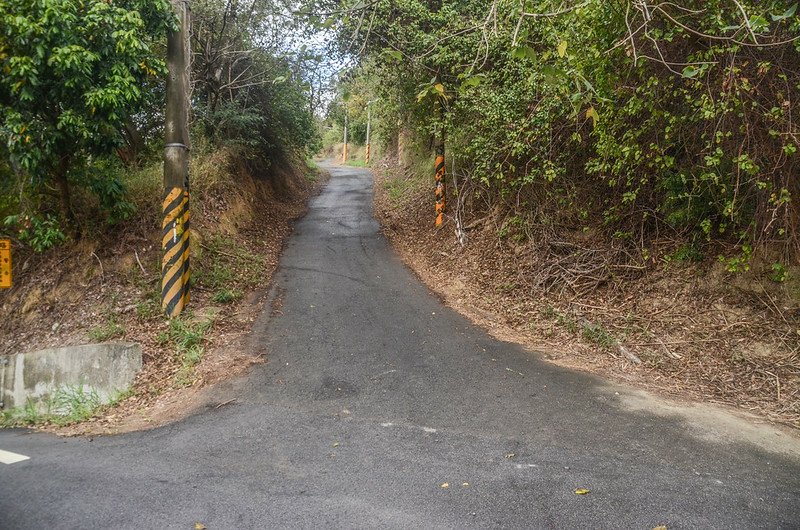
pixel 175 224
pixel 369 130
pixel 440 192
pixel 344 151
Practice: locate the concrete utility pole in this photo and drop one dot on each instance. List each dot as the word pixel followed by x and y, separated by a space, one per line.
pixel 440 192
pixel 175 224
pixel 344 151
pixel 369 130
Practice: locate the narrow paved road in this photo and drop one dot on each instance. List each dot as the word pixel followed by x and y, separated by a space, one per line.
pixel 374 396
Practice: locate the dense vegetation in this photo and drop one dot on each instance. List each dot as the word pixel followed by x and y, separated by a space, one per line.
pixel 632 121
pixel 82 99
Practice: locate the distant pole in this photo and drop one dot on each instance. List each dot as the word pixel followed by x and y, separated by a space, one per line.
pixel 344 151
pixel 440 192
pixel 175 223
pixel 369 129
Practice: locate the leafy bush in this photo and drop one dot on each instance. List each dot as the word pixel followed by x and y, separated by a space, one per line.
pixel 677 119
pixel 41 233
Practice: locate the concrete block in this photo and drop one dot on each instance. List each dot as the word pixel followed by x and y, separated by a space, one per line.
pixel 105 369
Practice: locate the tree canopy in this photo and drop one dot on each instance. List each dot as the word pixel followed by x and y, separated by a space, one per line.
pixel 82 97
pixel 73 75
pixel 645 118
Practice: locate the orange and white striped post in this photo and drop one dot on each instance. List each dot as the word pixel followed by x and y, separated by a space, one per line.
pixel 440 192
pixel 344 149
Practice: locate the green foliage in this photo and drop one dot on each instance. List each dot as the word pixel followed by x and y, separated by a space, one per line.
pixel 219 276
pixel 41 233
pixel 65 406
pixel 397 188
pixel 148 308
pixel 684 127
pixel 104 179
pixel 73 73
pixel 186 335
pixel 686 253
pixel 82 98
pixel 779 273
pixel 74 404
pixel 188 338
pixel 598 336
pixel 27 414
pixel 740 262
pixel 226 296
pixel 111 329
pixel 249 94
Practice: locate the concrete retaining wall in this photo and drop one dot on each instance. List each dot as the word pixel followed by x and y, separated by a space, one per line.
pixel 105 369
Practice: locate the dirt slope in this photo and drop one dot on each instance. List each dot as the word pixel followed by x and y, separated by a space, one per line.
pixel 108 289
pixel 686 329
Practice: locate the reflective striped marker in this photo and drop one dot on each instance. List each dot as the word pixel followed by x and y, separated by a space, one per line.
pixel 175 246
pixel 7 457
pixel 5 263
pixel 440 186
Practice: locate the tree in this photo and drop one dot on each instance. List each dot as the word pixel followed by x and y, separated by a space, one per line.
pixel 639 118
pixel 72 77
pixel 248 83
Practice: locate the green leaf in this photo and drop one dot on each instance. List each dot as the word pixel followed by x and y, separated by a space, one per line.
pixel 562 48
pixel 472 81
pixel 690 72
pixel 786 14
pixel 758 23
pixel 393 54
pixel 592 113
pixel 552 75
pixel 523 52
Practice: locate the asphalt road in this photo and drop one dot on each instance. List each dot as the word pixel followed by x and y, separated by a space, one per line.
pixel 374 396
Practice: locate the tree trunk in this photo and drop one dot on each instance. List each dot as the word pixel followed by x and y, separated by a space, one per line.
pixel 65 200
pixel 134 144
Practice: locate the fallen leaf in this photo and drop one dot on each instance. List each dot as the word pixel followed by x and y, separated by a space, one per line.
pixel 662 527
pixel 581 491
pixel 199 526
pixel 562 48
pixel 336 444
pixel 445 485
pixel 591 113
pixel 510 455
pixel 466 484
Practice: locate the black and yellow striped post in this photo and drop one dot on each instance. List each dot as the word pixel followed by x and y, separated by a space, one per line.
pixel 175 246
pixel 5 266
pixel 440 192
pixel 175 225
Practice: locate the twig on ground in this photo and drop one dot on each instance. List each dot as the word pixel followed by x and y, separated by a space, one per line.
pixel 102 272
pixel 140 263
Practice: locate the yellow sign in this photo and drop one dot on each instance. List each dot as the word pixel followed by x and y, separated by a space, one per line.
pixel 5 263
